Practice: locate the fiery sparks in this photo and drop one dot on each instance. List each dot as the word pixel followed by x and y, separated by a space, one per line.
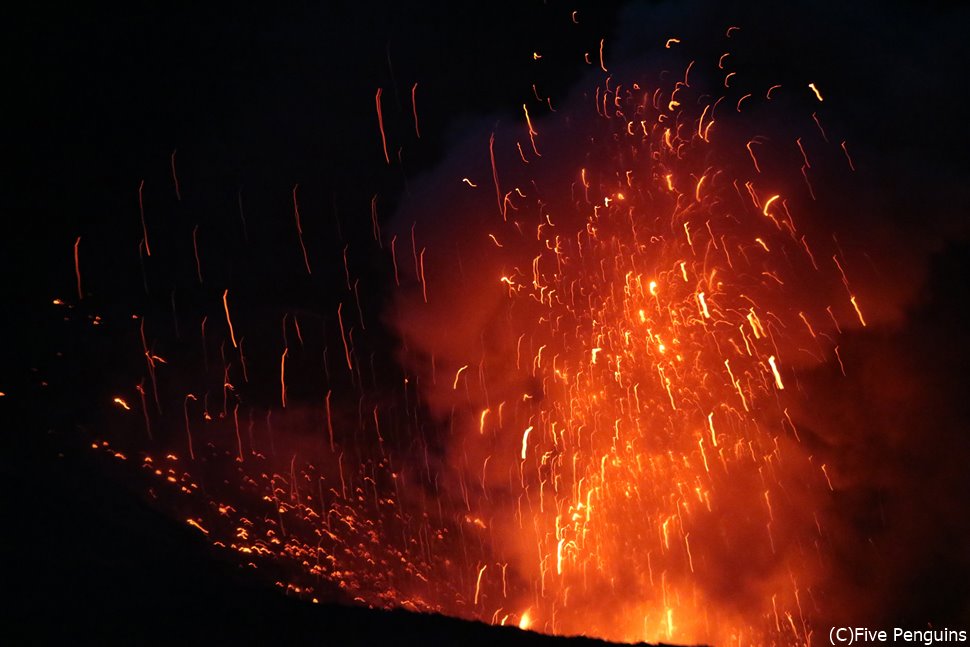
pixel 610 447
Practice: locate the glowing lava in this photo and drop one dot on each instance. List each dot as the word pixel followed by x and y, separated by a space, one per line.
pixel 592 435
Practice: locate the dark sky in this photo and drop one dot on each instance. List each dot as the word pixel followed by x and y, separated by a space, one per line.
pixel 256 101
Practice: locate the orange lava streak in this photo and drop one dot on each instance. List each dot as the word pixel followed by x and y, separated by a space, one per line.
pixel 481 420
pixel 195 524
pixel 235 420
pixel 847 156
pixel 299 229
pixel 225 306
pixel 454 385
pixel 141 212
pixel 329 419
pixel 774 370
pixel 77 268
pixel 751 153
pixel 525 440
pixel 768 203
pixel 818 95
pixel 150 363
pixel 283 376
pixel 424 283
pixel 858 311
pixel 380 123
pixel 343 337
pixel 375 224
pixel 827 479
pixel 478 582
pixel 175 177
pixel 532 132
pixel 498 191
pixel 188 429
pixel 195 250
pixel 414 110
pixel 397 278
pixel 140 387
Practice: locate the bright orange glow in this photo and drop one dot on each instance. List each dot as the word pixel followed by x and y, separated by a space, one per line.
pixel 586 426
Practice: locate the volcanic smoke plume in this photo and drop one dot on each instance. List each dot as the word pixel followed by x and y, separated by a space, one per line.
pixel 633 314
pixel 658 360
pixel 609 335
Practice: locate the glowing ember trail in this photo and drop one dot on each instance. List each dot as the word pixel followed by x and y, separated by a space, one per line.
pixel 610 451
pixel 141 212
pixel 225 306
pixel 299 229
pixel 77 267
pixel 380 122
pixel 414 109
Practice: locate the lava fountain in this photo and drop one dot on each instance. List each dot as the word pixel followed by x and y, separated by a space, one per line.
pixel 609 334
pixel 584 424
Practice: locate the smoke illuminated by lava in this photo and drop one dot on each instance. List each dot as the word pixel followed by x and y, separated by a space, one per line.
pixel 590 423
pixel 610 340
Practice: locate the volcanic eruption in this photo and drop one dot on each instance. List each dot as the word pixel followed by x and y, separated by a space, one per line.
pixel 579 376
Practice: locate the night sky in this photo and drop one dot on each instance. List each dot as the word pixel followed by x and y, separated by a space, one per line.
pixel 253 102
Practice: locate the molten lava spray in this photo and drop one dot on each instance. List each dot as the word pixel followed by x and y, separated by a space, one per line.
pixel 609 329
pixel 592 422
